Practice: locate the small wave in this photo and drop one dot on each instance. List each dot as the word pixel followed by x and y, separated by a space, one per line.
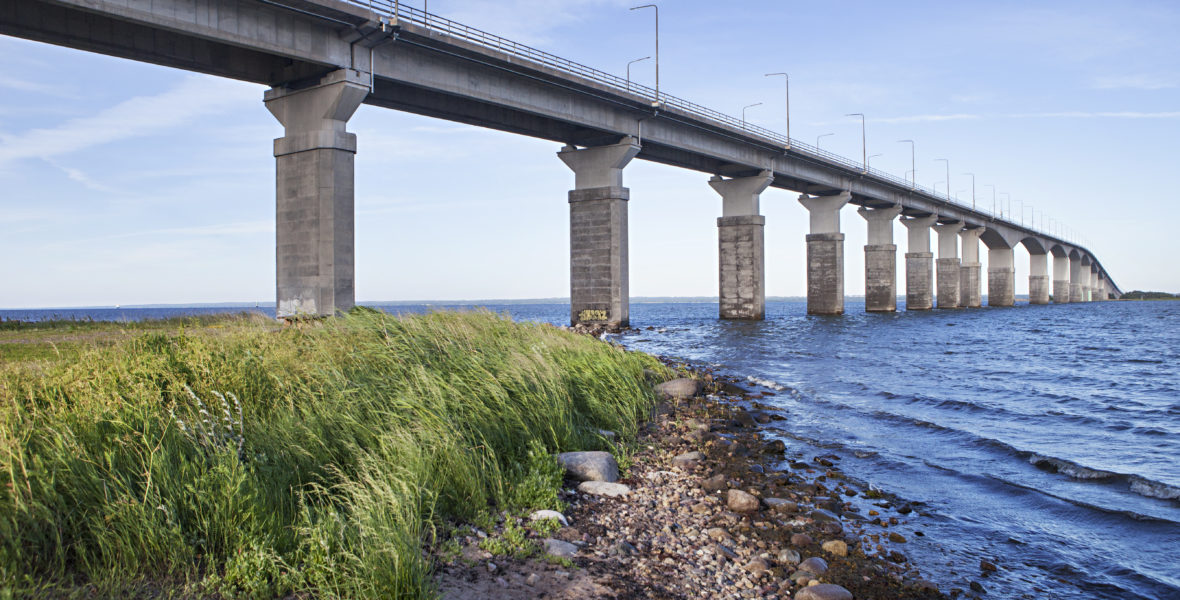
pixel 1070 468
pixel 1154 489
pixel 766 383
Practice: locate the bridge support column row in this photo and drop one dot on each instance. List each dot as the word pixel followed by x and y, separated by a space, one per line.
pixel 1038 279
pixel 825 254
pixel 969 280
pixel 741 247
pixel 314 235
pixel 598 233
pixel 948 264
pixel 880 259
pixel 919 263
pixel 1001 277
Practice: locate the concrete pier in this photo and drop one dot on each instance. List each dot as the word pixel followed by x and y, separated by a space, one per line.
pixel 314 216
pixel 825 254
pixel 880 259
pixel 919 263
pixel 1076 285
pixel 598 233
pixel 948 264
pixel 1001 277
pixel 970 293
pixel 1061 269
pixel 1038 278
pixel 741 247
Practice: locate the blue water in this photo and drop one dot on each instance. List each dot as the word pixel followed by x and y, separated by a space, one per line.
pixel 1045 439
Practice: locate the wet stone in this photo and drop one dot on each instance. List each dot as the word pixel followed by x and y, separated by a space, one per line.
pixel 815 565
pixel 739 501
pixel 590 466
pixel 823 591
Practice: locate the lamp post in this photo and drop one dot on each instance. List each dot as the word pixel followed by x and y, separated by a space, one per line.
pixel 787 96
pixel 744 112
pixel 972 189
pixel 993 197
pixel 948 176
pixel 936 186
pixel 913 164
pixel 820 137
pixel 863 147
pixel 869 160
pixel 629 70
pixel 657 9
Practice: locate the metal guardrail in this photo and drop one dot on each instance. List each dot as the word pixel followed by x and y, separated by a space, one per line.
pixel 395 10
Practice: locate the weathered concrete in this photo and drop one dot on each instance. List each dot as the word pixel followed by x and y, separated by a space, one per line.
pixel 741 247
pixel 1038 278
pixel 969 271
pixel 1076 284
pixel 598 233
pixel 880 259
pixel 1001 277
pixel 1061 267
pixel 948 264
pixel 825 254
pixel 919 263
pixel 314 232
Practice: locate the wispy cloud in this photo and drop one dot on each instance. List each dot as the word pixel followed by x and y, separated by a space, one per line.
pixel 927 118
pixel 504 18
pixel 145 115
pixel 213 230
pixel 1074 114
pixel 1137 82
pixel 21 85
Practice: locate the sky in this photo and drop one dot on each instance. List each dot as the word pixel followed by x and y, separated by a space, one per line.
pixel 128 183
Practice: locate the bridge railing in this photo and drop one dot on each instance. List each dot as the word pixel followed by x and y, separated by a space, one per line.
pixel 401 12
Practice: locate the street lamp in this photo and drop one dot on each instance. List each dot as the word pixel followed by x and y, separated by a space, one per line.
pixel 629 70
pixel 657 9
pixel 972 189
pixel 870 160
pixel 913 165
pixel 948 176
pixel 744 112
pixel 820 137
pixel 787 89
pixel 863 147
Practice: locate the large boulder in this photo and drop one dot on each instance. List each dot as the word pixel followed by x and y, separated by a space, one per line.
pixel 678 389
pixel 590 466
pixel 823 591
pixel 739 501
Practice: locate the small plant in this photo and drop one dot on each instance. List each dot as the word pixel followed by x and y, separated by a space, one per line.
pixel 210 432
pixel 538 479
pixel 545 527
pixel 513 541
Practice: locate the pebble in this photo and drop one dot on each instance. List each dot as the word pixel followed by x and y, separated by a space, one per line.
pixel 603 488
pixel 820 514
pixel 814 565
pixel 801 539
pixel 837 547
pixel 714 484
pixel 782 505
pixel 896 537
pixel 688 460
pixel 739 501
pixel 823 591
pixel 559 548
pixel 788 557
pixel 532 579
pixel 590 466
pixel 757 567
pixel 541 515
pixel 986 567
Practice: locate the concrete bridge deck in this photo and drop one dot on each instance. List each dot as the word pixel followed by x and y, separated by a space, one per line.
pixel 344 52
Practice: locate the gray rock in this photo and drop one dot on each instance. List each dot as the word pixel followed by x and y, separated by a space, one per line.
pixel 714 483
pixel 801 539
pixel 814 565
pixel 756 567
pixel 688 460
pixel 837 547
pixel 604 488
pixel 788 557
pixel 678 389
pixel 781 505
pixel 739 501
pixel 540 515
pixel 532 579
pixel 822 515
pixel 559 548
pixel 590 466
pixel 823 591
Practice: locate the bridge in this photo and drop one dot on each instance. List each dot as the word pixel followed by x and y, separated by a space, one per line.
pixel 323 58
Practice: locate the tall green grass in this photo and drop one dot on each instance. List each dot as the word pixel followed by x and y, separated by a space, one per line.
pixel 358 436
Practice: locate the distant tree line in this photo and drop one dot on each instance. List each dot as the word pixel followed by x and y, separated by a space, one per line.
pixel 1141 295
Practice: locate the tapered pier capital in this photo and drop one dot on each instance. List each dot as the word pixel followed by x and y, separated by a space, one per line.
pixel 825 211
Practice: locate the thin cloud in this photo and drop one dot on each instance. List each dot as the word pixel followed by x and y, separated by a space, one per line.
pixel 1076 114
pixel 21 85
pixel 1136 82
pixel 141 116
pixel 927 118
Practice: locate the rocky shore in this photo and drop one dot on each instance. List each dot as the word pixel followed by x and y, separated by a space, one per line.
pixel 707 507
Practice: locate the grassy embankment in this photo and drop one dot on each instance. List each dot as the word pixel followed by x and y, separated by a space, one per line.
pixel 338 451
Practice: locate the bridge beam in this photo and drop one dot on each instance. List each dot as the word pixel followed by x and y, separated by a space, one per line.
pixel 598 233
pixel 741 247
pixel 1001 276
pixel 825 254
pixel 919 263
pixel 1076 285
pixel 1061 268
pixel 948 264
pixel 969 280
pixel 314 235
pixel 880 259
pixel 1038 278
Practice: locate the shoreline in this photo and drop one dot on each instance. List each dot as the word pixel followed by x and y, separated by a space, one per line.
pixel 677 534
